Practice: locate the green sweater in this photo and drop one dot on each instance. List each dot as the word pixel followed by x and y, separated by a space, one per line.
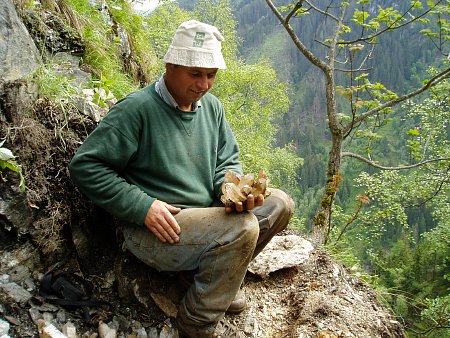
pixel 145 150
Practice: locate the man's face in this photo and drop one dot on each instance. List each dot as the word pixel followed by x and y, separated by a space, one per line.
pixel 188 84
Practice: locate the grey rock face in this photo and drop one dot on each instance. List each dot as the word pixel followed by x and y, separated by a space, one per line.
pixel 18 53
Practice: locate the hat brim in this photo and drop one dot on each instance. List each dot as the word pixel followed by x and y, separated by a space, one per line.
pixel 198 58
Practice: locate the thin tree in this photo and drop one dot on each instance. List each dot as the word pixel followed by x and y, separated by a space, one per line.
pixel 354 27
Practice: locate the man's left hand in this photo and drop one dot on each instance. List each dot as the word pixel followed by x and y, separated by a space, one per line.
pixel 248 204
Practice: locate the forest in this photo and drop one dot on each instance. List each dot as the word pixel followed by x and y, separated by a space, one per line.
pixel 344 104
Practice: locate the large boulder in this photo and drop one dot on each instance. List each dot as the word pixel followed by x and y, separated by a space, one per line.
pixel 18 53
pixel 19 57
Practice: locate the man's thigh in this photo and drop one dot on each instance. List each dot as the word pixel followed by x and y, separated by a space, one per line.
pixel 201 230
pixel 277 206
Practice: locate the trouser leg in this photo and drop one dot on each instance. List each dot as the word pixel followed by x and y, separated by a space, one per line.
pixel 273 216
pixel 219 245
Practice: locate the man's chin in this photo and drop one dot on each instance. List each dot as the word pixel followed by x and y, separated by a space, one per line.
pixel 197 97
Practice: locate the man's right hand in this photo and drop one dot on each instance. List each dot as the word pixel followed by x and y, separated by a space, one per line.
pixel 161 223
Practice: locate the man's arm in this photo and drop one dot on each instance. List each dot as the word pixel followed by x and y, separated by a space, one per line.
pixel 95 170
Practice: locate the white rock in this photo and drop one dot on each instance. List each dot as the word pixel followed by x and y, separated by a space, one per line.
pixel 281 252
pixel 49 330
pixel 104 331
pixel 70 330
pixel 4 327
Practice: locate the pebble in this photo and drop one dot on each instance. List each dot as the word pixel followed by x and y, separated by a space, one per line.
pixel 4 328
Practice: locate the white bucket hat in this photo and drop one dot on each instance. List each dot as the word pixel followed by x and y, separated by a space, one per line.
pixel 196 44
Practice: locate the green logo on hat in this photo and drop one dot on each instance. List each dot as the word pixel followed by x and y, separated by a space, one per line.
pixel 198 39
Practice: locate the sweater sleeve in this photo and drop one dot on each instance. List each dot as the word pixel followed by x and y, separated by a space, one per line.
pixel 96 170
pixel 227 155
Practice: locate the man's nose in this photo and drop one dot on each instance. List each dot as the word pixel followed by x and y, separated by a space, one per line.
pixel 203 83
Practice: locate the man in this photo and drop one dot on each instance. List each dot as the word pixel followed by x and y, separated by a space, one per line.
pixel 157 161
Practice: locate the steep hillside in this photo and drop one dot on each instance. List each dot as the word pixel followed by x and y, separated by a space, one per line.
pixel 52 227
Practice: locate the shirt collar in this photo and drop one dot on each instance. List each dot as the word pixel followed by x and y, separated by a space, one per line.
pixel 162 91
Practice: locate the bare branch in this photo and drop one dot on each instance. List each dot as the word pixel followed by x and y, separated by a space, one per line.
pixel 303 49
pixel 349 222
pixel 333 123
pixel 373 164
pixel 432 82
pixel 297 6
pixel 321 11
pixel 438 189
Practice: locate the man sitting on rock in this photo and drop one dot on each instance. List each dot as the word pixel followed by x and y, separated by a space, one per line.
pixel 157 162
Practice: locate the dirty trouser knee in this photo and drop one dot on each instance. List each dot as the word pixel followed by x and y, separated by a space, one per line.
pixel 273 217
pixel 219 245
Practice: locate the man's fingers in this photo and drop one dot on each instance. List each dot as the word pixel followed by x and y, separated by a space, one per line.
pixel 168 233
pixel 164 232
pixel 161 222
pixel 173 210
pixel 259 200
pixel 169 229
pixel 239 206
pixel 250 203
pixel 158 235
pixel 172 224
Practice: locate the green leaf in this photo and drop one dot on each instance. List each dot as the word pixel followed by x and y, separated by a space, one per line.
pixel 6 154
pixel 413 132
pixel 416 4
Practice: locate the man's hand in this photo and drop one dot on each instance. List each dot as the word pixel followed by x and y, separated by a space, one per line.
pixel 249 204
pixel 161 223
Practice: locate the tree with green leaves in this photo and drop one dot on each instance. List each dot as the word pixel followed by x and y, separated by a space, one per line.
pixel 417 265
pixel 355 106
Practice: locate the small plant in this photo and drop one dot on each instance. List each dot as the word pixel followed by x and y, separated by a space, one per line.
pixel 7 160
pixel 102 92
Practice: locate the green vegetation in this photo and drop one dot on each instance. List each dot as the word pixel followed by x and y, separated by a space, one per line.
pixel 7 161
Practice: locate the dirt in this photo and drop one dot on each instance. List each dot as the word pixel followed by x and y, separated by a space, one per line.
pixel 319 298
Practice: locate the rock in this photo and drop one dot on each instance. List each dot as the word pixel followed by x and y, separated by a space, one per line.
pixel 168 331
pixel 153 333
pixel 104 331
pixel 281 252
pixel 18 264
pixel 89 108
pixel 18 53
pixel 69 330
pixel 51 33
pixel 4 327
pixel 49 330
pixel 19 57
pixel 11 292
pixel 165 304
pixel 67 65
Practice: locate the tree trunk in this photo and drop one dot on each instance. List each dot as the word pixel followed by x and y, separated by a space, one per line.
pixel 322 219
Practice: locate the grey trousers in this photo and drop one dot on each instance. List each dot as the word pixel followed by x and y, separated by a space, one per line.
pixel 219 246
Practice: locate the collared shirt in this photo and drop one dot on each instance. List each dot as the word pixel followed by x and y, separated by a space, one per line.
pixel 162 91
